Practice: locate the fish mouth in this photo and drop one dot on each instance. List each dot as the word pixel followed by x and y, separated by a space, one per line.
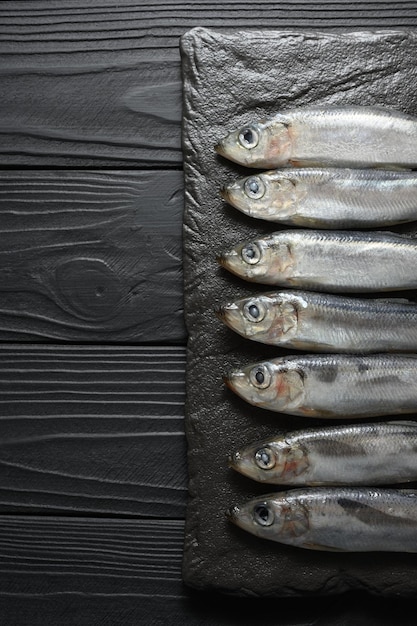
pixel 220 148
pixel 221 259
pixel 225 259
pixel 232 194
pixel 235 460
pixel 241 464
pixel 224 311
pixel 230 315
pixel 235 381
pixel 220 313
pixel 224 192
pixel 227 381
pixel 233 513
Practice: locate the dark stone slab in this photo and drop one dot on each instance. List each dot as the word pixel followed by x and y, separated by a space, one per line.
pixel 227 80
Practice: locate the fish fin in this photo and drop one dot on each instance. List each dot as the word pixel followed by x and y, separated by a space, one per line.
pixel 282 118
pixel 296 391
pixel 297 461
pixel 392 167
pixel 404 236
pixel 313 346
pixel 395 300
pixel 289 318
pixel 309 412
pixel 318 546
pixel 402 422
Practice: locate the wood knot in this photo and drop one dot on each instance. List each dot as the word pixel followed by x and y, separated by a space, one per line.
pixel 90 288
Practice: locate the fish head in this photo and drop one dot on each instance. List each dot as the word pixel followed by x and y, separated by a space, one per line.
pixel 265 318
pixel 274 517
pixel 270 195
pixel 274 461
pixel 260 260
pixel 273 385
pixel 262 144
pixel 250 317
pixel 251 195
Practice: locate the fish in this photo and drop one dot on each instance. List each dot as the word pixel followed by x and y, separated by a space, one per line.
pixel 327 198
pixel 328 260
pixel 375 453
pixel 352 136
pixel 322 322
pixel 330 385
pixel 347 519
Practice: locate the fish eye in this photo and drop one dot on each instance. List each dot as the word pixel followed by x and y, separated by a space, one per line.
pixel 248 137
pixel 265 458
pixel 251 253
pixel 263 515
pixel 254 311
pixel 260 376
pixel 254 187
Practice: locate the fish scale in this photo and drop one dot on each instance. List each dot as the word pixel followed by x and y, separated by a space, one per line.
pixel 329 260
pixel 330 385
pixel 346 518
pixel 324 322
pixel 327 198
pixel 351 136
pixel 350 519
pixel 354 454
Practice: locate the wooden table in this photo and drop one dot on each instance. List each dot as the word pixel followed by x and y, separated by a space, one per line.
pixel 93 474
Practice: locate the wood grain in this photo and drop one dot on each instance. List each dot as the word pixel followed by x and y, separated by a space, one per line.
pixel 100 25
pixel 94 571
pixel 99 84
pixel 92 449
pixel 90 113
pixel 91 256
pixel 88 430
pixel 126 557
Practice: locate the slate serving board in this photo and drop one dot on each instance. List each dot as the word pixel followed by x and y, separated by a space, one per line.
pixel 229 79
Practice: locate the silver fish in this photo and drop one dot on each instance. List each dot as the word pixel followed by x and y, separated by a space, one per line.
pixel 333 386
pixel 306 320
pixel 351 519
pixel 352 136
pixel 330 260
pixel 359 454
pixel 327 198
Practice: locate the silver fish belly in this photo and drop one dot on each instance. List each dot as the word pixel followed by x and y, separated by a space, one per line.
pixel 330 386
pixel 350 519
pixel 327 198
pixel 354 454
pixel 327 260
pixel 351 136
pixel 306 320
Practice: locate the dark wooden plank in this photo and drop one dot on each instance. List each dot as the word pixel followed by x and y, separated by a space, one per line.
pixel 99 572
pixel 102 112
pixel 104 79
pixel 97 83
pixel 87 430
pixel 91 555
pixel 99 94
pixel 91 256
pixel 100 25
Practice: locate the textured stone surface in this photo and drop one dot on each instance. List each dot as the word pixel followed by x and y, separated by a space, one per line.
pixel 227 80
